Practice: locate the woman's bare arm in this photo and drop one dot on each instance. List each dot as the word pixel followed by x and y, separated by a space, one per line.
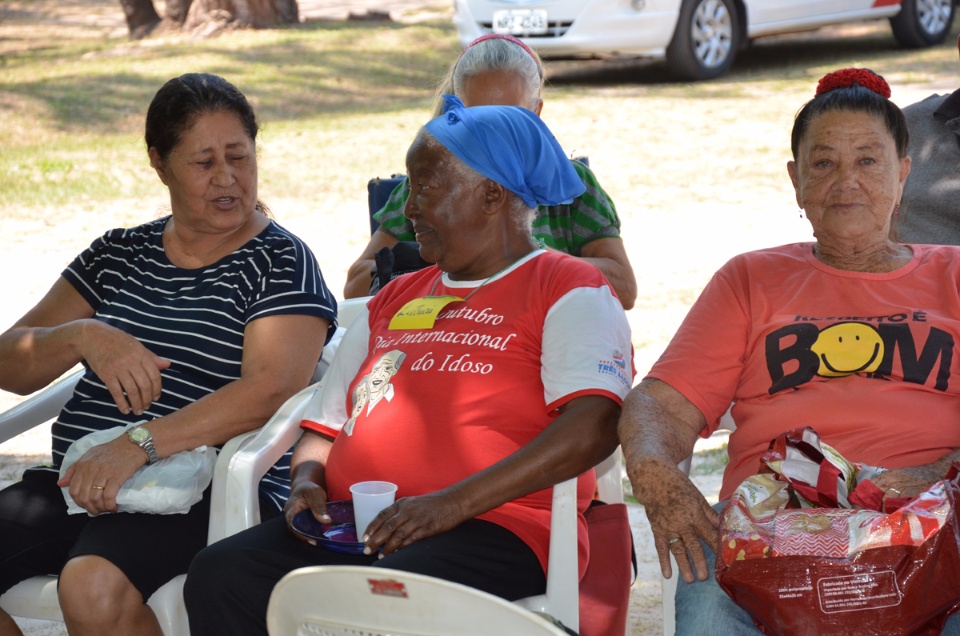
pixel 361 271
pixel 60 332
pixel 582 435
pixel 658 429
pixel 280 354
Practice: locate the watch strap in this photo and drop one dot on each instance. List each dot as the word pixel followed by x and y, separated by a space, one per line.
pixel 148 447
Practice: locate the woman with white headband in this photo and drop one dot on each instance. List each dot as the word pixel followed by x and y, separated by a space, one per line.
pixel 497 69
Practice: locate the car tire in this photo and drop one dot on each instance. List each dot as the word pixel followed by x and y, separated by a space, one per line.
pixel 705 41
pixel 922 23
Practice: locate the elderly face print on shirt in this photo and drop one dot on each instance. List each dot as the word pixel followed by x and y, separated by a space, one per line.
pixel 375 386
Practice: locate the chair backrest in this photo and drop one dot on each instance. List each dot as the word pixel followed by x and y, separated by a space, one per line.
pixel 378 191
pixel 342 600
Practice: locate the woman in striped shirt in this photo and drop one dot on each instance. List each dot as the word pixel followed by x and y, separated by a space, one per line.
pixel 192 329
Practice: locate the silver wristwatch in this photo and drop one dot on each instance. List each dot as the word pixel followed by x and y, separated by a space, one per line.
pixel 140 436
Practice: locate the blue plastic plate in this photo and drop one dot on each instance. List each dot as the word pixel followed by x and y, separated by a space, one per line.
pixel 339 536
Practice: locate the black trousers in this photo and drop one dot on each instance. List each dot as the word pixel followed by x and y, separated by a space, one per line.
pixel 37 536
pixel 229 583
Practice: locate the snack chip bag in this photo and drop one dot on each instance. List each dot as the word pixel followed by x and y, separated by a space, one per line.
pixel 801 560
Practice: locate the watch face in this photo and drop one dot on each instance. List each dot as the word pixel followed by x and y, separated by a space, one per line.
pixel 138 435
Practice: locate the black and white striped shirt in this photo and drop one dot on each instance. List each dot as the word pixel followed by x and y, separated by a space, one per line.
pixel 193 317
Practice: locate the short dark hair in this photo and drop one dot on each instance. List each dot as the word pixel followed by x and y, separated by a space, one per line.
pixel 856 98
pixel 181 100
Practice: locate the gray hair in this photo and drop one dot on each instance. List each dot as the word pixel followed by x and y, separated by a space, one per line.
pixel 494 55
pixel 522 216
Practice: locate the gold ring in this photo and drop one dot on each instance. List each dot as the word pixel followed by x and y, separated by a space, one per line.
pixel 894 490
pixel 97 487
pixel 674 540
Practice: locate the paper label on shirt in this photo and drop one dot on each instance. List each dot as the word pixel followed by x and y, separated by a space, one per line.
pixel 421 313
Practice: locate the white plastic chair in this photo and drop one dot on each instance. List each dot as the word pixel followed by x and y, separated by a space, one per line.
pixel 234 504
pixel 562 598
pixel 365 601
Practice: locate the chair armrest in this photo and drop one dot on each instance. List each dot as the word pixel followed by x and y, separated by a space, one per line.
pixel 562 600
pixel 242 463
pixel 610 478
pixel 563 575
pixel 38 408
pixel 245 459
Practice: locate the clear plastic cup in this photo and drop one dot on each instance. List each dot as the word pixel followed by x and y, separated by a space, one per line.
pixel 369 498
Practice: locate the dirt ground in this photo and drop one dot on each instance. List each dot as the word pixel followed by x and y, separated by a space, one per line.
pixel 669 274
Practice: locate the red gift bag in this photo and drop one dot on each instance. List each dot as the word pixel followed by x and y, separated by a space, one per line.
pixel 801 568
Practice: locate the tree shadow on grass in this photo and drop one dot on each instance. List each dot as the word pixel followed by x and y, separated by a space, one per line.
pixel 294 73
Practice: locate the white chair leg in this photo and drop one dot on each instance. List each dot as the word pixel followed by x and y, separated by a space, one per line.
pixel 668 591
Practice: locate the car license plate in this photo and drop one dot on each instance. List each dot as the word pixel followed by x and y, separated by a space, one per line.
pixel 520 21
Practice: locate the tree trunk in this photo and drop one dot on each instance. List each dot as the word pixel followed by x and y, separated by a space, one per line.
pixel 258 14
pixel 141 17
pixel 209 17
pixel 177 11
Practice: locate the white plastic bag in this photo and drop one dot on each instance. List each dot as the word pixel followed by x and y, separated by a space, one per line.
pixel 170 486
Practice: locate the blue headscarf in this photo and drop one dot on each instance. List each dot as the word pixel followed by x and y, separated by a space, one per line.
pixel 509 145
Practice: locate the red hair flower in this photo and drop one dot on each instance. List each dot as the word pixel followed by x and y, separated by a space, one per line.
pixel 847 77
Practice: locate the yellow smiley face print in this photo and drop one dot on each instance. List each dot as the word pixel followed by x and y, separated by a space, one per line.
pixel 847 348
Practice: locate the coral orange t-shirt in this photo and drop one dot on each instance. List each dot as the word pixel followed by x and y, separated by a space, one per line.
pixel 866 359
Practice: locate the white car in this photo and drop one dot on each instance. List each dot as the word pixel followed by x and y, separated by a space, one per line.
pixel 699 38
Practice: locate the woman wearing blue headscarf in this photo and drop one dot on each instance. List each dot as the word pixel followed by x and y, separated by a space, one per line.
pixel 474 384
